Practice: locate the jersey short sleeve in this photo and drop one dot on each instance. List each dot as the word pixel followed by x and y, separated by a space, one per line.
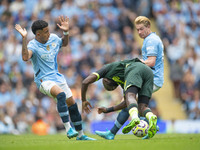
pixel 101 73
pixel 31 46
pixel 151 47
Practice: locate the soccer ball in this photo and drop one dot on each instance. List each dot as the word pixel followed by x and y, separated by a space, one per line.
pixel 141 129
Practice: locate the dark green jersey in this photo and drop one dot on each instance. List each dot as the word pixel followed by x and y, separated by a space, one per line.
pixel 128 73
pixel 115 71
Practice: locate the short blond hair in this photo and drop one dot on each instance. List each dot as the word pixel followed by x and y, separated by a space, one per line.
pixel 142 20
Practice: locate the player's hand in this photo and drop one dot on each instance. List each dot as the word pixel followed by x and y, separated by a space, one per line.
pixel 22 31
pixel 86 106
pixel 64 23
pixel 102 110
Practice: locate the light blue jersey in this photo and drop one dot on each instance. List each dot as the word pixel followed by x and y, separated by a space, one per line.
pixel 153 46
pixel 44 60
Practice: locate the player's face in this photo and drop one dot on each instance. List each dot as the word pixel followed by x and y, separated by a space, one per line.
pixel 43 35
pixel 109 85
pixel 142 30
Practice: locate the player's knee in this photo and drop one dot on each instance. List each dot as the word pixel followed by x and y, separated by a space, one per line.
pixel 70 101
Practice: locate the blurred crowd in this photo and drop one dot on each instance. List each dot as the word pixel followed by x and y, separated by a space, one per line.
pixel 179 26
pixel 100 32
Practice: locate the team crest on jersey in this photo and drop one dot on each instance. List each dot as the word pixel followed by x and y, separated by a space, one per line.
pixel 53 44
pixel 48 47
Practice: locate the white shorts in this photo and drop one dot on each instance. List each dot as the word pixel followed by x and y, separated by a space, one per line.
pixel 46 86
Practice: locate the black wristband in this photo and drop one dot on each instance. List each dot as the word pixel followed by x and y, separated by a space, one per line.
pixel 110 109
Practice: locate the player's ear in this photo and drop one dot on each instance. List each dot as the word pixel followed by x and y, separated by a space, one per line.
pixel 38 33
pixel 148 26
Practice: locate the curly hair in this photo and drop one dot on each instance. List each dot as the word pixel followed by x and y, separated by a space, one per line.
pixel 38 25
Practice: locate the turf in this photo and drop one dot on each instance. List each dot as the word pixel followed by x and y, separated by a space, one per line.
pixel 121 142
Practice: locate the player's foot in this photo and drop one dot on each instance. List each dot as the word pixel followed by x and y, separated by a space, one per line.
pixel 153 128
pixel 105 134
pixel 147 137
pixel 85 137
pixel 71 133
pixel 131 125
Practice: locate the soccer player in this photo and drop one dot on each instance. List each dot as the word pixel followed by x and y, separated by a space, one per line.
pixel 152 53
pixel 43 51
pixel 135 78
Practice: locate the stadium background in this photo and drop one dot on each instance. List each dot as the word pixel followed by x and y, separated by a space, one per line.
pixel 100 32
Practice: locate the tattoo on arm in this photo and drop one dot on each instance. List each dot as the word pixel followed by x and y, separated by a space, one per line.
pixel 25 54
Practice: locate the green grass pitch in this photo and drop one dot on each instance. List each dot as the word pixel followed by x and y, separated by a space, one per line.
pixel 121 142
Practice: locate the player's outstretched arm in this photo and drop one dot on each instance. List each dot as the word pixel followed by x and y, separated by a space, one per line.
pixel 64 25
pixel 86 82
pixel 26 54
pixel 113 108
